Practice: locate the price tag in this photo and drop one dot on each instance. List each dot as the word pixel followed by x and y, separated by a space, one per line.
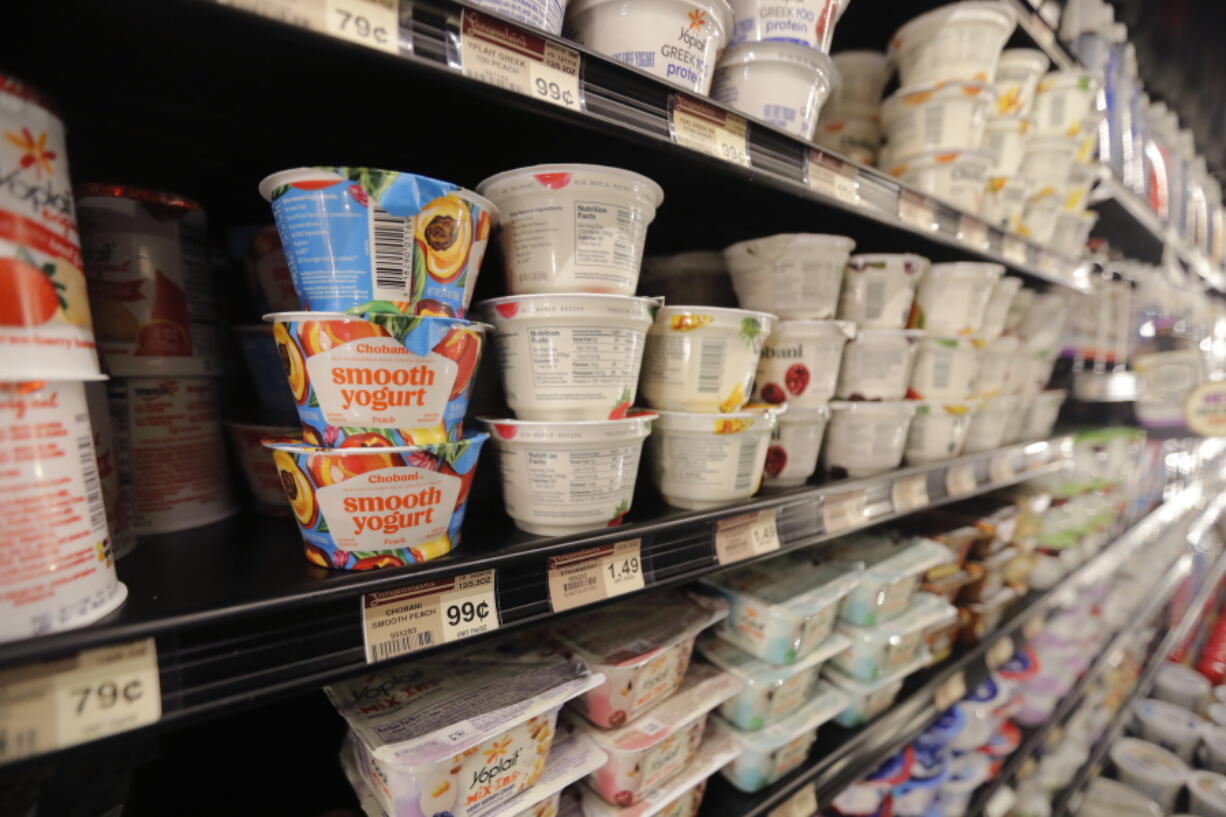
pixel 950 691
pixel 1013 249
pixel 308 14
pixel 801 804
pixel 1000 802
pixel 973 232
pixel 509 57
pixel 98 692
pixel 1000 468
pixel 595 574
pixel 746 536
pixel 1000 652
pixel 399 622
pixel 833 177
pixel 843 511
pixel 960 479
pixel 705 128
pixel 1033 627
pixel 373 23
pixel 910 493
pixel 917 211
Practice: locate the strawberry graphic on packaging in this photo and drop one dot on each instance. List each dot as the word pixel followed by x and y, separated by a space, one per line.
pixel 776 460
pixel 619 514
pixel 623 405
pixel 554 181
pixel 797 378
pixel 773 393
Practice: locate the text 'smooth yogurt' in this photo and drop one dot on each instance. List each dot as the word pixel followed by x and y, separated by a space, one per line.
pixel 573 228
pixel 45 328
pixel 783 84
pixel 259 470
pixel 566 477
pixel 792 275
pixel 938 431
pixel 365 506
pixel 809 23
pixel 150 288
pixel 116 493
pixel 268 276
pixel 266 372
pixel 570 357
pixel 1017 75
pixel 867 438
pixel 945 369
pixel 1062 101
pixel 877 365
pixel 878 289
pixel 380 378
pixel 800 363
pixel 360 239
pixel 675 40
pixel 955 177
pixel 959 41
pixel 702 359
pixel 795 443
pixel 938 116
pixel 706 460
pixel 952 298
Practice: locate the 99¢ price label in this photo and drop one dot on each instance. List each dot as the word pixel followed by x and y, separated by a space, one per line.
pixel 501 54
pixel 595 574
pixel 705 128
pixel 403 621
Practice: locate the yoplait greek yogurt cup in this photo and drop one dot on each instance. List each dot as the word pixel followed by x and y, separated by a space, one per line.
pixel 381 505
pixel 808 23
pixel 358 238
pixel 379 378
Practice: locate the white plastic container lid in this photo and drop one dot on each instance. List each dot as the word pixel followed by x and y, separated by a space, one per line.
pixel 826 701
pixel 1167 717
pixel 1177 683
pixel 888 560
pixel 1210 788
pixel 862 689
pixel 925 611
pixel 1148 762
pixel 795 585
pixel 620 635
pixel 753 670
pixel 1109 798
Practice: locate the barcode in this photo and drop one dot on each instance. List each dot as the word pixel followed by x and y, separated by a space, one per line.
pixel 578 583
pixel 874 299
pixel 710 366
pixel 401 645
pixel 390 240
pixel 942 366
pixel 93 486
pixel 745 460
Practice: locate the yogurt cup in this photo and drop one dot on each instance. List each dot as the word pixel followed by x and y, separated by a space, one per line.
pixel 997 310
pixel 545 15
pixel 810 23
pixel 997 358
pixel 863 438
pixel 268 275
pixel 862 79
pixel 116 494
pixel 695 277
pixel 1107 798
pixel 1172 727
pixel 643 34
pixel 702 359
pixel 642 659
pixel 560 478
pixel 956 177
pixel 359 510
pixel 792 275
pixel 1047 163
pixel 938 116
pixel 881 650
pixel 61 574
pixel 265 372
pixel 800 363
pixel 856 137
pixel 945 369
pixel 1017 75
pixel 574 227
pixel 1182 686
pixel 959 41
pixel 1081 180
pixel 952 298
pixel 783 84
pixel 570 357
pixel 259 472
pixel 1019 407
pixel 380 378
pixel 1042 324
pixel 938 431
pixel 1039 218
pixel 1005 138
pixel 869 699
pixel 1041 414
pixel 1072 231
pixel 1151 770
pixel 893 573
pixel 967 773
pixel 702 461
pixel 1004 202
pixel 768 754
pixel 878 289
pixel 1213 749
pixel 1207 794
pixel 365 240
pixel 795 443
pixel 877 365
pixel 1062 100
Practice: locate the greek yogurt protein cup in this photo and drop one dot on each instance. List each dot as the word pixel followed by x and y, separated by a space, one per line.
pixel 795 443
pixel 792 275
pixel 878 289
pixel 959 41
pixel 702 461
pixel 938 431
pixel 571 227
pixel 867 438
pixel 809 23
pixel 877 364
pixel 783 84
pixel 862 79
pixel 800 363
pixel 945 369
pixel 938 116
pixel 951 298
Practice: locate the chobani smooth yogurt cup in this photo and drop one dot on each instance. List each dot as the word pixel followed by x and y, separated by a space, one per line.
pixel 1017 76
pixel 792 275
pixel 938 431
pixel 800 363
pixel 856 137
pixel 565 477
pixel 1041 414
pixel 795 443
pixel 945 369
pixel 1062 101
pixel 1005 138
pixel 365 507
pixel 987 427
pixel 877 364
pixel 357 238
pixel 862 78
pixel 702 359
pixel 783 84
pixel 956 177
pixel 866 438
pixel 266 372
pixel 259 471
pixel 379 378
pixel 702 461
pixel 938 116
pixel 116 494
pixel 952 298
pixel 809 23
pixel 959 41
pixel 878 289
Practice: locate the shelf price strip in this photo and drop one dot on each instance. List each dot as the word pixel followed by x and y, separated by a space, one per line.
pixel 1000 468
pixel 917 211
pixel 705 128
pixel 595 574
pixel 973 232
pixel 745 536
pixel 801 804
pixel 910 493
pixel 373 23
pixel 843 511
pixel 950 691
pixel 508 57
pixel 833 177
pixel 960 479
pixel 420 616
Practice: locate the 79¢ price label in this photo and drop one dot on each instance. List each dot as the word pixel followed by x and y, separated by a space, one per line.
pixel 373 23
pixel 501 54
pixel 595 574
pixel 403 621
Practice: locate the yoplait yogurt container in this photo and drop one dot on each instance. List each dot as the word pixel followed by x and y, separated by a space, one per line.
pixel 463 732
pixel 800 363
pixel 378 505
pixel 808 23
pixel 643 659
pixel 783 84
pixel 380 378
pixel 359 238
pixel 880 650
pixel 702 461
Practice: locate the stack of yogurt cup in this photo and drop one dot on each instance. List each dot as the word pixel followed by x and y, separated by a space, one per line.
pixel 1008 128
pixel 380 361
pixel 850 123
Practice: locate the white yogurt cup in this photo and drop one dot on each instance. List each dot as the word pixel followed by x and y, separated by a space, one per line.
pixel 951 298
pixel 1182 686
pixel 792 275
pixel 878 289
pixel 938 116
pixel 809 23
pixel 865 438
pixel 1076 194
pixel 1047 163
pixel 1042 323
pixel 997 358
pixel 1004 202
pixel 987 426
pixel 1041 414
pixel 1017 75
pixel 856 137
pixel 800 363
pixel 945 369
pixel 675 40
pixel 957 41
pixel 1169 726
pixel 955 177
pixel 795 443
pixel 781 83
pixel 1213 749
pixel 1207 794
pixel 573 227
pixel 1018 406
pixel 1005 138
pixel 877 365
pixel 1039 218
pixel 1062 101
pixel 997 310
pixel 702 461
pixel 1149 769
pixel 694 277
pixel 702 359
pixel 570 357
pixel 545 15
pixel 1072 231
pixel 938 431
pixel 862 78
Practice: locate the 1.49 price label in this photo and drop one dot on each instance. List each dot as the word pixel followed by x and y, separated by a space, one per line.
pixel 595 574
pixel 746 536
pixel 506 56
pixel 399 622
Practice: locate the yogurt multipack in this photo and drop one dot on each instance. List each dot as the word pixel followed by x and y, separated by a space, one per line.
pixel 893 574
pixel 874 652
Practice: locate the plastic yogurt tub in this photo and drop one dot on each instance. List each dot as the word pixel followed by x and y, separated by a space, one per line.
pixel 644 34
pixel 955 42
pixel 945 369
pixel 1072 231
pixel 1108 798
pixel 868 699
pixel 1017 76
pixel 966 774
pixel 891 578
pixel 1172 727
pixel 695 277
pixel 259 472
pixel 783 84
pixel 702 359
pixel 1182 686
pixel 379 378
pixel 952 298
pixel 116 494
pixel 768 754
pixel 1004 201
pixel 1213 750
pixel 795 443
pixel 938 431
pixel 545 15
pixel 880 650
pixel 644 754
pixel 862 79
pixel 792 275
pixel 935 117
pixel 771 693
pixel 956 177
pixel 809 23
pixel 997 310
pixel 867 438
pixel 364 507
pixel 1005 138
pixel 265 371
pixel 1047 163
pixel 475 733
pixel 784 609
pixel 1149 769
pixel 570 357
pixel 428 265
pixel 1062 100
pixel 856 137
pixel 642 658
pixel 877 365
pixel 1039 218
pixel 878 289
pixel 702 461
pixel 1041 413
pixel 800 363
pixel 1207 793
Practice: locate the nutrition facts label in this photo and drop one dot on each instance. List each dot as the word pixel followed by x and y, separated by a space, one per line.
pixel 584 356
pixel 562 485
pixel 605 235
